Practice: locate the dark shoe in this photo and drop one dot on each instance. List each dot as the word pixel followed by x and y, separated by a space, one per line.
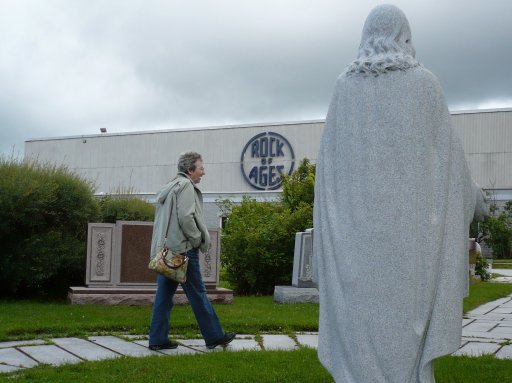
pixel 165 346
pixel 227 338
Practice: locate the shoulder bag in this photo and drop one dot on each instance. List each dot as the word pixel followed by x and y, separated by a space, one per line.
pixel 168 263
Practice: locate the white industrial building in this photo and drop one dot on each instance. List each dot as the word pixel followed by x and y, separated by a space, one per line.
pixel 247 159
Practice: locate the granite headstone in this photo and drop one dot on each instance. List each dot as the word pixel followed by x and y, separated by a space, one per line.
pixel 117 266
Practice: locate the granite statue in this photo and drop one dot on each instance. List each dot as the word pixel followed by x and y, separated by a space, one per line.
pixel 393 203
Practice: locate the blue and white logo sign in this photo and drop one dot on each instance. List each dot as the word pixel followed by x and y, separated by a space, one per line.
pixel 265 158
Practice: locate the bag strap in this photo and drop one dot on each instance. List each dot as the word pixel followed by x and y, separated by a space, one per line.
pixel 169 221
pixel 175 196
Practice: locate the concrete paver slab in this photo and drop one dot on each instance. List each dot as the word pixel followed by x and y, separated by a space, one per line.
pixel 502 310
pixel 198 344
pixel 308 340
pixel 466 321
pixel 501 332
pixel 501 301
pixel 17 343
pixel 502 279
pixel 479 326
pixel 84 349
pixel 483 340
pixel 478 334
pixel 181 350
pixel 245 336
pixel 191 342
pixel 477 349
pixel 121 346
pixel 278 342
pixel 505 272
pixel 13 357
pixel 50 354
pixel 492 317
pixel 139 337
pixel 505 352
pixel 243 344
pixel 484 319
pixel 482 310
pixel 7 368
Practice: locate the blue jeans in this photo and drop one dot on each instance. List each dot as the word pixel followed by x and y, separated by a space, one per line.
pixel 196 293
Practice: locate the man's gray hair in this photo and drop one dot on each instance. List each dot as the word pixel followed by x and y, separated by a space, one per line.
pixel 385 45
pixel 187 161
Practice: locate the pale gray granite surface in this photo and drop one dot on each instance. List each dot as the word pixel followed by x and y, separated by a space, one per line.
pixel 393 203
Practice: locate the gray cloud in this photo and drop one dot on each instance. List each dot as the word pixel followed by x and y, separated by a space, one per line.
pixel 69 68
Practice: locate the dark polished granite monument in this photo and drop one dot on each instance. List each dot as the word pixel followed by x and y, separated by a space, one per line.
pixel 117 267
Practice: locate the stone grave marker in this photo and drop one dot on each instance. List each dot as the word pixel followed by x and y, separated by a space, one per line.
pixel 117 266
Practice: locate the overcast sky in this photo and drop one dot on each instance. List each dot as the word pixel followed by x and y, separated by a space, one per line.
pixel 71 67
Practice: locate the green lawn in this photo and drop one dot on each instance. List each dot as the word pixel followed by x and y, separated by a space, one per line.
pixel 502 264
pixel 218 367
pixel 31 319
pixel 465 369
pixel 483 292
pixel 248 366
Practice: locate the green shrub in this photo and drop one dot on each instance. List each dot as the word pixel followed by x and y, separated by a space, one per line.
pixel 258 239
pixel 121 208
pixel 299 187
pixel 497 231
pixel 44 212
pixel 481 268
pixel 258 243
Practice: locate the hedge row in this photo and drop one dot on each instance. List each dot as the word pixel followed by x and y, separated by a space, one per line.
pixel 44 212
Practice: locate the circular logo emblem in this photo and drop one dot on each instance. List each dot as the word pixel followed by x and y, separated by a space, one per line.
pixel 265 158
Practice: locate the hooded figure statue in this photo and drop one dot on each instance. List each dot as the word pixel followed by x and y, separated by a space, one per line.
pixel 393 203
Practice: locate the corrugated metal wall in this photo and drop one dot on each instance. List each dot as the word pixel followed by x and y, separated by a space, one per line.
pixel 487 141
pixel 142 162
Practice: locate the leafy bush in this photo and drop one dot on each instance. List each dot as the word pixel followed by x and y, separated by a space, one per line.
pixel 259 237
pixel 481 268
pixel 258 243
pixel 119 208
pixel 497 231
pixel 299 187
pixel 44 211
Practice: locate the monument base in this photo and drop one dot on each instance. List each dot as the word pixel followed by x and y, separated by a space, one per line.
pixel 291 294
pixel 137 296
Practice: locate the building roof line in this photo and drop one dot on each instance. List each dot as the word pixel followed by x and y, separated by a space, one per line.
pixel 219 127
pixel 472 111
pixel 235 126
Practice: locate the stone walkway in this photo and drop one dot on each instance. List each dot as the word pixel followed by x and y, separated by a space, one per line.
pixel 506 275
pixel 486 330
pixel 25 354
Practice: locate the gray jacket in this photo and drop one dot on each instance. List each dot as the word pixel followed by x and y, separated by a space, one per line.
pixel 187 229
